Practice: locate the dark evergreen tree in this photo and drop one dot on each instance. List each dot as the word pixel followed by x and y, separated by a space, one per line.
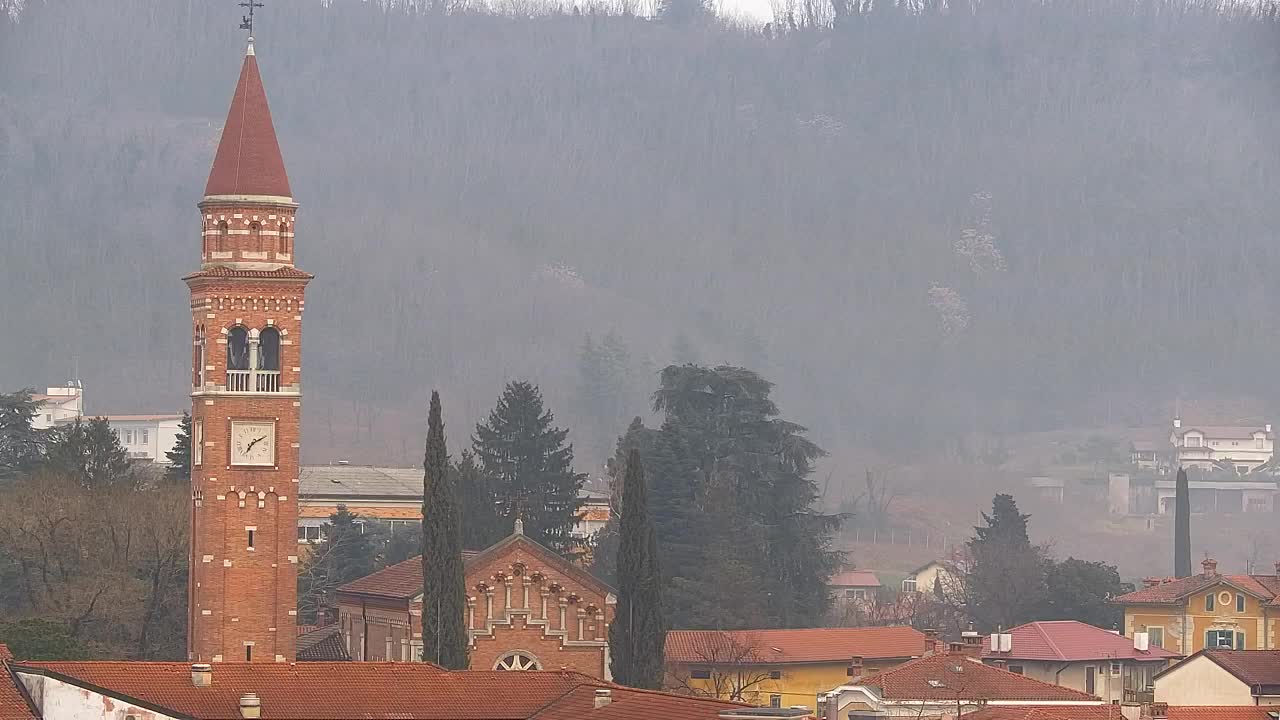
pixel 1182 526
pixel 637 634
pixel 1082 590
pixel 482 523
pixel 404 541
pixel 347 552
pixel 1005 583
pixel 21 445
pixel 180 455
pixel 444 635
pixel 531 467
pixel 91 452
pixel 721 422
pixel 36 639
pixel 604 388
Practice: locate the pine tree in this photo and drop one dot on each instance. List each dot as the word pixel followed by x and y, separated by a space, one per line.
pixel 91 453
pixel 721 423
pixel 180 455
pixel 637 634
pixel 1005 584
pixel 444 636
pixel 21 445
pixel 531 467
pixel 1182 526
pixel 482 523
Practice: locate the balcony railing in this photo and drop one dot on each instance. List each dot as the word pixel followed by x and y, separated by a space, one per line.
pixel 263 381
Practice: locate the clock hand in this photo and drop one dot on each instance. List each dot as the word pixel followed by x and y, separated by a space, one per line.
pixel 254 442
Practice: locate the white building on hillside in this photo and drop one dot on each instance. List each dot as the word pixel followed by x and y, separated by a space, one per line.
pixel 145 437
pixel 1209 447
pixel 58 404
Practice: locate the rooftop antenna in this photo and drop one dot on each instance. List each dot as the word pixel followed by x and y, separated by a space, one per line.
pixel 246 21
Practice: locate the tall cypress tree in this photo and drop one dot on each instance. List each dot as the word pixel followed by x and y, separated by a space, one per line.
pixel 444 637
pixel 637 635
pixel 531 467
pixel 1182 526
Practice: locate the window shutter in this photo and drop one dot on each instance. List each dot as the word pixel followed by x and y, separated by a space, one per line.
pixel 1239 641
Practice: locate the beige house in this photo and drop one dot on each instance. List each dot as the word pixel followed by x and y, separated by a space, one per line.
pixel 1222 677
pixel 934 573
pixel 1210 447
pixel 1082 657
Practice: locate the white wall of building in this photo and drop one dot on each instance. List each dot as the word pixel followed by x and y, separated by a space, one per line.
pixel 58 700
pixel 1201 681
pixel 147 437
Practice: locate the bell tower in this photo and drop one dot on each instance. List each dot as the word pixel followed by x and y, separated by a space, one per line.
pixel 246 392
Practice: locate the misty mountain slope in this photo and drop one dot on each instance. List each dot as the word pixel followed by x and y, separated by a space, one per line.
pixel 917 225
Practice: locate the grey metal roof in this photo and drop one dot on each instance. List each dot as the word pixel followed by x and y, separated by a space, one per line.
pixel 349 481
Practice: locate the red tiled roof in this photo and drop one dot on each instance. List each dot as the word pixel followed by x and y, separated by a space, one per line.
pixel 957 675
pixel 1046 712
pixel 854 578
pixel 399 691
pixel 222 271
pixel 248 161
pixel 321 644
pixel 13 701
pixel 793 646
pixel 1252 667
pixel 1070 641
pixel 327 690
pixel 1173 591
pixel 403 581
pixel 630 704
pixel 1220 712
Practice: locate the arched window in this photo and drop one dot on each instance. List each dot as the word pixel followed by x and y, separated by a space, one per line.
pixel 198 358
pixel 518 660
pixel 238 348
pixel 224 230
pixel 284 241
pixel 255 237
pixel 269 349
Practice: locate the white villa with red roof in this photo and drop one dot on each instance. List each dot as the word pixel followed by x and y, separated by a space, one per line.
pixel 1079 656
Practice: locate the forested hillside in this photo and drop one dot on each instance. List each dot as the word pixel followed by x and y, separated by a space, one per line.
pixel 917 222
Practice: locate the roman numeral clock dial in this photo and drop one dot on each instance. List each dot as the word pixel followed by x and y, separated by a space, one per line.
pixel 253 443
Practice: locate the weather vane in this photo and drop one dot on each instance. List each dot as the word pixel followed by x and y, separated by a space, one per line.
pixel 246 21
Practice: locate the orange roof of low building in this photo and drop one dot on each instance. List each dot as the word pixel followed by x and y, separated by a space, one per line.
pixel 248 161
pixel 793 646
pixel 1219 712
pixel 949 676
pixel 1173 591
pixel 344 690
pixel 1046 712
pixel 854 578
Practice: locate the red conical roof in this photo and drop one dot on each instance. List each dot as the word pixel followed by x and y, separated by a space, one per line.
pixel 248 160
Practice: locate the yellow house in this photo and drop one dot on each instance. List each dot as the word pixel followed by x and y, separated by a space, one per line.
pixel 783 668
pixel 1205 611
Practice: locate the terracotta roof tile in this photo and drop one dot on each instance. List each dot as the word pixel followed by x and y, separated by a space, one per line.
pixel 222 271
pixel 630 704
pixel 793 646
pixel 1220 712
pixel 955 674
pixel 328 690
pixel 13 701
pixel 854 578
pixel 404 580
pixel 1173 591
pixel 1253 667
pixel 248 161
pixel 321 644
pixel 1070 641
pixel 1047 712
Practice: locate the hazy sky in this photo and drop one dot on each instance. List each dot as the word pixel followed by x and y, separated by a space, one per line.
pixel 754 9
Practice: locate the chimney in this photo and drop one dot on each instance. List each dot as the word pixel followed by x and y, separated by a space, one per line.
pixel 201 675
pixel 604 696
pixel 1177 422
pixel 250 706
pixel 1154 581
pixel 1267 427
pixel 855 668
pixel 933 647
pixel 1210 567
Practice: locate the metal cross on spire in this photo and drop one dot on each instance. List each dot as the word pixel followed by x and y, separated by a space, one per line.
pixel 246 21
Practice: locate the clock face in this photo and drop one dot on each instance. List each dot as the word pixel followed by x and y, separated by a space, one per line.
pixel 253 443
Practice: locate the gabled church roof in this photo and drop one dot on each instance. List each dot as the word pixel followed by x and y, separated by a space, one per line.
pixel 248 161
